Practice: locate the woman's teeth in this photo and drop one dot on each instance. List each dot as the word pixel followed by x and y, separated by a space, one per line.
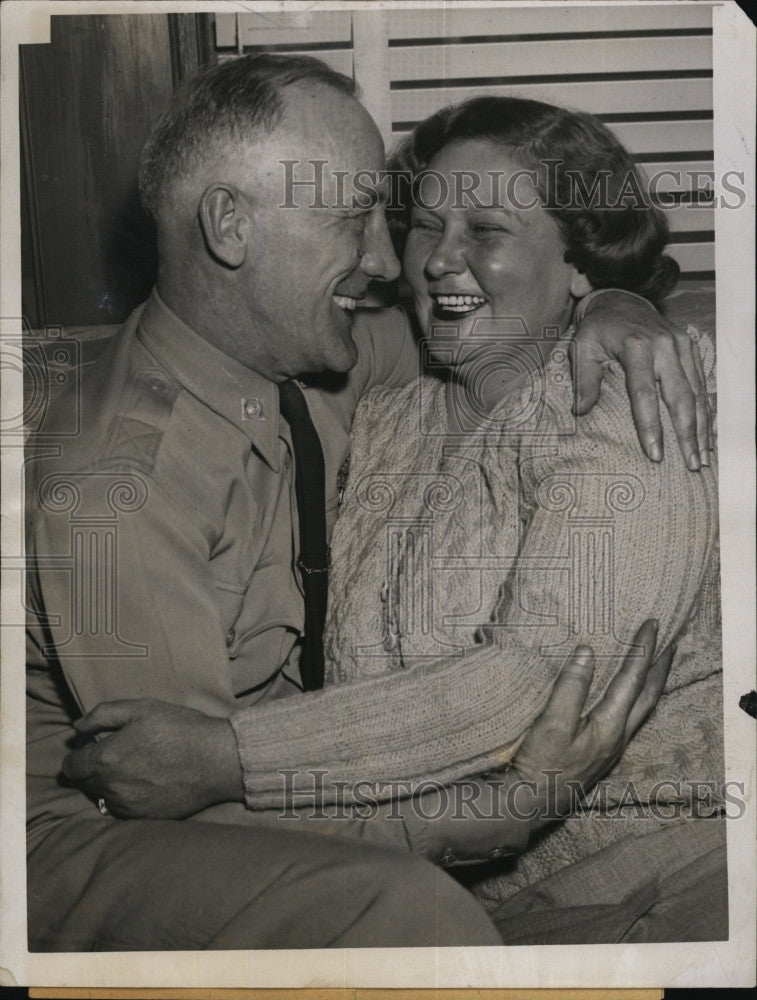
pixel 345 302
pixel 459 303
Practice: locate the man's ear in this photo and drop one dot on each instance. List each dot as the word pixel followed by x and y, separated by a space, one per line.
pixel 225 224
pixel 580 285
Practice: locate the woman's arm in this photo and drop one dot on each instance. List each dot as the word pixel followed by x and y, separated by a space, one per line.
pixel 451 718
pixel 646 531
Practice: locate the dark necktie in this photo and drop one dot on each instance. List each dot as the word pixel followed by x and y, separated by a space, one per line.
pixel 310 490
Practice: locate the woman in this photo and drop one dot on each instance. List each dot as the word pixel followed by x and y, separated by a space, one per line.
pixel 484 532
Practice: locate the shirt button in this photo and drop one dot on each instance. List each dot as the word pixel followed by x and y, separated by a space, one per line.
pixel 230 637
pixel 157 385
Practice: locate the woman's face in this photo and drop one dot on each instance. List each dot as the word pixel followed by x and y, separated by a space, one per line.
pixel 479 268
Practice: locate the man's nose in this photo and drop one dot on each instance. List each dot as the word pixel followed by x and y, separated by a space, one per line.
pixel 446 257
pixel 379 259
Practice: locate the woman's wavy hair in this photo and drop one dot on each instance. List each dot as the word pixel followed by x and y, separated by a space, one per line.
pixel 615 239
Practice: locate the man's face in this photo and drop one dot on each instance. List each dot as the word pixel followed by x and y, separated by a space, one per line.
pixel 313 247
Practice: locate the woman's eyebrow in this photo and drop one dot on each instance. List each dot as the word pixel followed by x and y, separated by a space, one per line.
pixel 511 216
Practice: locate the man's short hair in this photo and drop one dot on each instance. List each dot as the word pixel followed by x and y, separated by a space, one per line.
pixel 228 103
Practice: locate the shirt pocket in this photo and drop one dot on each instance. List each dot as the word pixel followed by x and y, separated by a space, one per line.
pixel 270 600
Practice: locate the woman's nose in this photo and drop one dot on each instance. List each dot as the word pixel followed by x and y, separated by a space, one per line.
pixel 446 257
pixel 378 259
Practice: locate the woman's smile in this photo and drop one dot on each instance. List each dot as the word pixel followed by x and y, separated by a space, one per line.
pixel 449 305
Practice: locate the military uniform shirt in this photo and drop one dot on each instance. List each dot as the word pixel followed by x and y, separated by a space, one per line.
pixel 162 538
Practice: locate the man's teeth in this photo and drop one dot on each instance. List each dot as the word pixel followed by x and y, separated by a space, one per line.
pixel 459 303
pixel 345 302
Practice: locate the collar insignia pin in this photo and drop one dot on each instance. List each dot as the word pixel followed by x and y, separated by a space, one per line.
pixel 252 408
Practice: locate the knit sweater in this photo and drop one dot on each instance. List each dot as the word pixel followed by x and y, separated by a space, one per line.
pixel 466 570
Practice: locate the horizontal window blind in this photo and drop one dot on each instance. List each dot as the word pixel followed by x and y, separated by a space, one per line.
pixel 646 71
pixel 327 35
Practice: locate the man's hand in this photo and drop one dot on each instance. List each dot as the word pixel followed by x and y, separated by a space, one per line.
pixel 156 759
pixel 620 327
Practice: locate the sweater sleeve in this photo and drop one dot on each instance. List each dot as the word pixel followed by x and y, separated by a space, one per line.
pixel 609 540
pixel 387 349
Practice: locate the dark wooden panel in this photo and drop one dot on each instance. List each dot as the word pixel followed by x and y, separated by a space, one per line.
pixel 191 40
pixel 88 103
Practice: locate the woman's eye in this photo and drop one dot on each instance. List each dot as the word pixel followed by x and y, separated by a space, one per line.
pixel 484 229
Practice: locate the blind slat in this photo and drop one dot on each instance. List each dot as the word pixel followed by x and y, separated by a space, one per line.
pixel 295 27
pixel 681 175
pixel 612 97
pixel 525 21
pixel 655 137
pixel 664 137
pixel 501 59
pixel 686 219
pixel 693 256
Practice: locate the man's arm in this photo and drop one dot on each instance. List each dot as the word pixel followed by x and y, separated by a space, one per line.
pixel 131 614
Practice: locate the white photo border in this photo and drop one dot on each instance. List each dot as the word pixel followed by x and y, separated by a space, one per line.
pixel 726 963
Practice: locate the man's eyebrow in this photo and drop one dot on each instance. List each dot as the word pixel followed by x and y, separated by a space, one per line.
pixel 368 199
pixel 378 193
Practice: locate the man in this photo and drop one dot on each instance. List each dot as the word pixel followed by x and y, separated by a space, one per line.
pixel 163 537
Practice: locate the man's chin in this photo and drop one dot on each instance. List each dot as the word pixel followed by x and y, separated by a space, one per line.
pixel 345 352
pixel 348 359
pixel 340 356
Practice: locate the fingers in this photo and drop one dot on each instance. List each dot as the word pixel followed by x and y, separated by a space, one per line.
pixel 703 380
pixel 568 697
pixel 614 710
pixel 107 715
pixel 79 766
pixel 688 354
pixel 657 677
pixel 680 401
pixel 587 375
pixel 645 405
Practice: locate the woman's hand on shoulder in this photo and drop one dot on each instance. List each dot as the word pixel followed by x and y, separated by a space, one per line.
pixel 627 329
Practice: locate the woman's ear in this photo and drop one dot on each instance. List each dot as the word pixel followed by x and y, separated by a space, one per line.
pixel 580 285
pixel 225 224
